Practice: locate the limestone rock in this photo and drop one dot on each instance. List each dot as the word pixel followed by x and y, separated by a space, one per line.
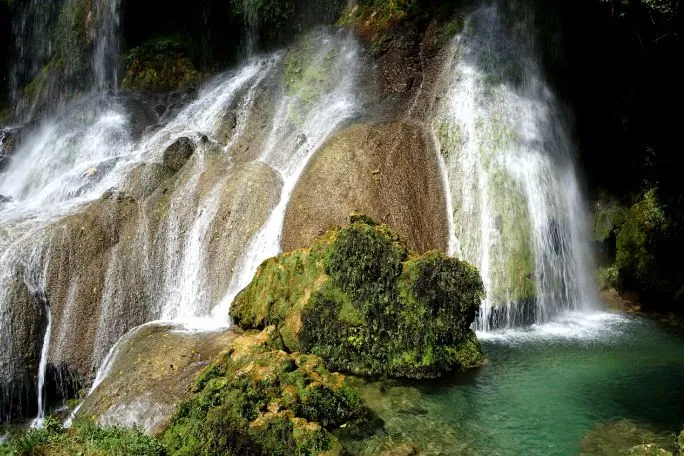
pixel 178 153
pixel 153 370
pixel 390 172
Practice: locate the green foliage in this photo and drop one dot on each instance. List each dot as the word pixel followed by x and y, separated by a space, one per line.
pixel 608 218
pixel 158 65
pixel 83 439
pixel 637 244
pixel 263 401
pixel 608 277
pixel 357 297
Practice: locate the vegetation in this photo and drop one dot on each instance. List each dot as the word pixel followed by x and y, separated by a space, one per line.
pixel 83 439
pixel 262 401
pixel 158 65
pixel 356 298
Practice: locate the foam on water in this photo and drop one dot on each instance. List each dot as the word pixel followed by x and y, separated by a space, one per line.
pixel 571 325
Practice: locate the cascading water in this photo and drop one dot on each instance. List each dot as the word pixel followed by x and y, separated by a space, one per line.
pixel 316 124
pixel 106 55
pixel 517 207
pixel 130 240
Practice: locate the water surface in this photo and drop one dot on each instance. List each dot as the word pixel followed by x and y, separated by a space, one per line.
pixel 591 384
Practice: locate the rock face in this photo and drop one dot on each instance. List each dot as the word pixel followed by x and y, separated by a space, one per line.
pixel 151 374
pixel 358 299
pixel 390 172
pixel 178 153
pixel 263 401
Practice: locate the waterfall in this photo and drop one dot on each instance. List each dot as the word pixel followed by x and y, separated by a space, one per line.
pixel 516 205
pixel 42 370
pixel 62 49
pixel 319 120
pixel 122 239
pixel 106 55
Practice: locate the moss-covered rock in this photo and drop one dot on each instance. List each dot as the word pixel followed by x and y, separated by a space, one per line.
pixel 263 401
pixel 362 302
pixel 159 65
pixel 644 258
pixel 648 449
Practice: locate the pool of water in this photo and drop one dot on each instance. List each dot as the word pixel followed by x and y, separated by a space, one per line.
pixel 590 384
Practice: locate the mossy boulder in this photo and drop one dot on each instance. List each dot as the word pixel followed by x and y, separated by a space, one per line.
pixel 644 257
pixel 260 400
pixel 159 65
pixel 360 300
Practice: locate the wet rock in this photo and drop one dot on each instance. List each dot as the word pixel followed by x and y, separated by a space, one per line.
pixel 356 297
pixel 4 200
pixel 153 371
pixel 402 449
pixel 248 198
pixel 389 171
pixel 142 116
pixel 648 450
pixel 178 153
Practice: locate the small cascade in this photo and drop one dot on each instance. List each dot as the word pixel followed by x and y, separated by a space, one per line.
pixel 516 205
pixel 316 121
pixel 62 49
pixel 106 55
pixel 42 370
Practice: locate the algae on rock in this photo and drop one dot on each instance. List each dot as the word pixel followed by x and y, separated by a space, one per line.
pixel 261 400
pixel 362 302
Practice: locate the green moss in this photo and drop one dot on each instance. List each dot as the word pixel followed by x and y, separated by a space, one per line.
pixel 608 277
pixel 262 401
pixel 637 241
pixel 5 115
pixel 609 216
pixel 83 438
pixel 357 298
pixel 158 65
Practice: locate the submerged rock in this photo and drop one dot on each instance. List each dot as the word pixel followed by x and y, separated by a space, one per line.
pixel 390 172
pixel 624 437
pixel 648 449
pixel 263 401
pixel 362 302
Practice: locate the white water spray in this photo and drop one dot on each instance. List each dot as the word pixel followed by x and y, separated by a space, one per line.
pixel 516 205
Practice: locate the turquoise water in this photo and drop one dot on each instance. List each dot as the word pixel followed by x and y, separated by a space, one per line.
pixel 590 384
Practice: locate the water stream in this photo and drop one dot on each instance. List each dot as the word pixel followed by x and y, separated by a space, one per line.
pixel 515 199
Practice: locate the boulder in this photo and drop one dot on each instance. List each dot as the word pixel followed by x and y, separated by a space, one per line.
pixel 260 400
pixel 390 172
pixel 359 299
pixel 152 372
pixel 178 153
